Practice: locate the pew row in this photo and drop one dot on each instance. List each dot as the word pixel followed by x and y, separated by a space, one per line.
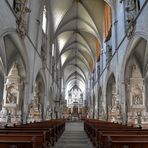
pixel 36 135
pixel 114 135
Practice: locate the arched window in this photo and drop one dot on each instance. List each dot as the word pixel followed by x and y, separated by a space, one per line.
pixel 44 21
pixel 53 50
pixel 53 60
pixel 107 21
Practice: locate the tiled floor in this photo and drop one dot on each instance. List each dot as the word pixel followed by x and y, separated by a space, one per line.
pixel 74 137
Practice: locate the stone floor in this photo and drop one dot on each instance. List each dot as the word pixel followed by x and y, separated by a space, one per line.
pixel 74 137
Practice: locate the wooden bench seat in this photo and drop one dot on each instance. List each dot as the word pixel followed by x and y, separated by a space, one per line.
pixel 48 135
pixel 92 128
pixel 17 144
pixel 21 141
pixel 121 141
pixel 45 134
pixel 114 135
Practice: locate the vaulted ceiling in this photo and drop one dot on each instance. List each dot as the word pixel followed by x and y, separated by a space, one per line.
pixel 77 28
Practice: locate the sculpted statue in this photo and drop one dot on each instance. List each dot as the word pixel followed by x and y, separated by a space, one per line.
pixel 21 11
pixel 109 112
pixel 130 9
pixel 48 113
pixel 117 107
pixel 12 92
pixel 113 100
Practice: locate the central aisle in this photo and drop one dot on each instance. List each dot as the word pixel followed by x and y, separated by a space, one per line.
pixel 74 137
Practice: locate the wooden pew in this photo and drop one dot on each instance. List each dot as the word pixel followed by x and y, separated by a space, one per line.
pixel 46 133
pixel 124 141
pixel 92 127
pixel 20 141
pixel 106 134
pixel 58 126
pixel 42 139
pixel 5 143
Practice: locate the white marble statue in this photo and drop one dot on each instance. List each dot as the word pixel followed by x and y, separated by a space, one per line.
pixel 48 113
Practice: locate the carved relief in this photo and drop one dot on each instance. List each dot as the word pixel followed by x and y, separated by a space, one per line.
pixel 137 97
pixel 21 11
pixel 12 94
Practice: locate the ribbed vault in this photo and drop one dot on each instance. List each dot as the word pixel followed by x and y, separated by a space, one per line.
pixel 77 29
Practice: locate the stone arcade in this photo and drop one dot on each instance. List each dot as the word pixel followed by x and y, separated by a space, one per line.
pixel 74 59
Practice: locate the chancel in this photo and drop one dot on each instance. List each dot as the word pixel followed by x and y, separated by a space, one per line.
pixel 74 73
